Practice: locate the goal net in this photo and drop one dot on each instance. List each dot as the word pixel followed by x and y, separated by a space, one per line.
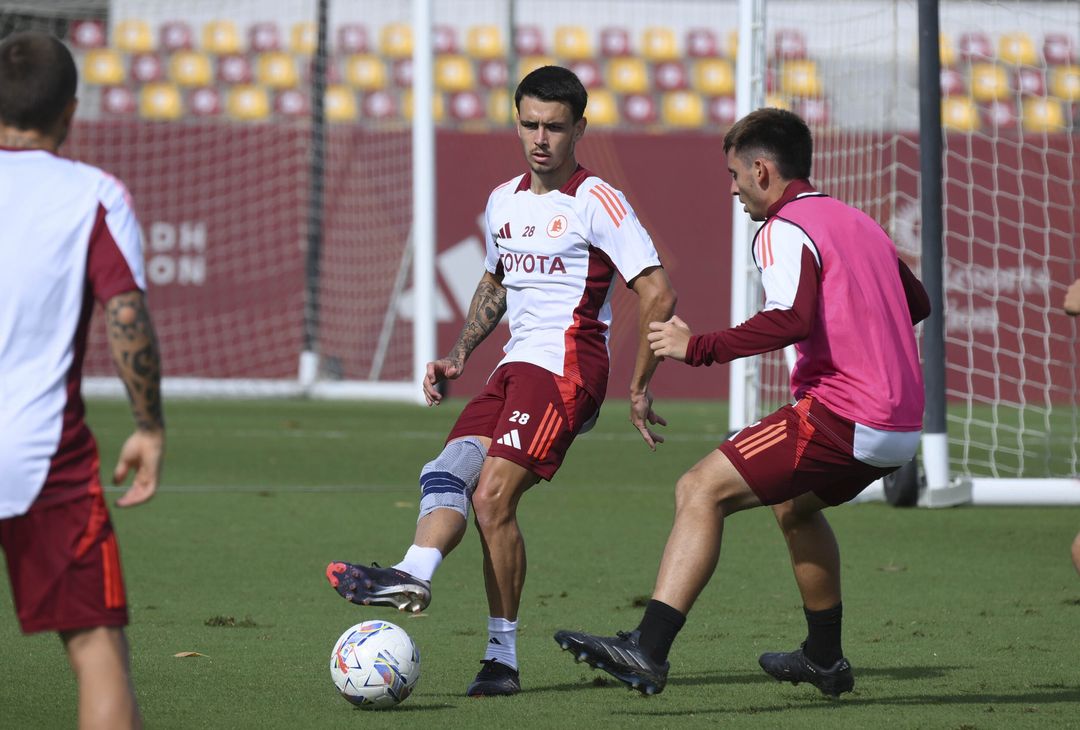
pixel 1010 87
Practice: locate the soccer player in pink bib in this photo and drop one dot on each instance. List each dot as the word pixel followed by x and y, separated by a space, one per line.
pixel 68 237
pixel 834 288
pixel 557 237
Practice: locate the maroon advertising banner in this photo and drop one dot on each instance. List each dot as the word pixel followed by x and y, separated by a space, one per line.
pixel 225 210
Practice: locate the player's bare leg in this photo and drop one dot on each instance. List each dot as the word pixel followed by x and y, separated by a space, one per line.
pixel 495 502
pixel 1076 552
pixel 99 658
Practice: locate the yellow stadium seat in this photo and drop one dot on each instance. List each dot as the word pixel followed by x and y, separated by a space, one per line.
pixel 133 36
pixel 103 67
pixel 438 106
pixel 572 43
pixel 528 64
pixel 627 75
pixel 959 114
pixel 776 101
pixel 484 41
pixel 221 36
pixel 800 78
pixel 190 68
pixel 340 103
pixel 659 44
pixel 1042 115
pixel 160 101
pixel 396 40
pixel 454 73
pixel 277 70
pixel 501 107
pixel 603 109
pixel 1017 49
pixel 366 72
pixel 713 77
pixel 248 103
pixel 947 51
pixel 683 109
pixel 733 44
pixel 1065 82
pixel 303 39
pixel 989 82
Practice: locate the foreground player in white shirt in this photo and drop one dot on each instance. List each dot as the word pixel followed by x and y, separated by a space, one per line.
pixel 557 237
pixel 67 237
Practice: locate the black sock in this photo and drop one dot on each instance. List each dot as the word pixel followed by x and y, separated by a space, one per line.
pixel 658 627
pixel 823 635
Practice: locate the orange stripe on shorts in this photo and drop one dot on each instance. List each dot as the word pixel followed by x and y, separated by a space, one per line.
pixel 540 429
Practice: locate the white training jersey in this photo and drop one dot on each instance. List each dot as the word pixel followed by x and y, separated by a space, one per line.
pixel 68 236
pixel 558 254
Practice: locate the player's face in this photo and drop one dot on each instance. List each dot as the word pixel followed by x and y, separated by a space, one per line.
pixel 745 185
pixel 548 135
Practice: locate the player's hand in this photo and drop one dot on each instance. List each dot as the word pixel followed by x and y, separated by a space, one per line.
pixel 142 452
pixel 1072 299
pixel 437 372
pixel 669 339
pixel 642 416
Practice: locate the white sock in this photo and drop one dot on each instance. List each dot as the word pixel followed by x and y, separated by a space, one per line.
pixel 502 641
pixel 420 562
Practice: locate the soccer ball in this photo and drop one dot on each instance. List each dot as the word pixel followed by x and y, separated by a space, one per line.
pixel 375 665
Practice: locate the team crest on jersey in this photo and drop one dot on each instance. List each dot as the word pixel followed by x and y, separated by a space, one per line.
pixel 556 226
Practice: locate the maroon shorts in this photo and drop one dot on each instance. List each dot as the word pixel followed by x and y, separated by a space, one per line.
pixel 799 449
pixel 530 414
pixel 64 565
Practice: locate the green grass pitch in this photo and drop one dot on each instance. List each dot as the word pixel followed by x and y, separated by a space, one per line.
pixel 959 618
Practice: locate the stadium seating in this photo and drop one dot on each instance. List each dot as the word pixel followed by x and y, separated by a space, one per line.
pixel 815 111
pixel 190 68
pixel 953 82
pixel 160 102
pixel 947 51
pixel 682 110
pixel 615 42
pixel 778 101
pixel 85 34
pixel 176 35
pixel 401 72
pixel 1000 115
pixel 1065 83
pixel 221 37
pixel 1030 81
pixel 484 41
pixel 627 75
pixel 276 70
pixel 1042 115
pixel 454 73
pixel 528 64
pixel 1059 49
pixel 264 37
pixel 103 67
pixel 989 82
pixel 303 39
pixel 396 41
pixel 500 107
pixel 380 105
pixel 789 45
pixel 352 38
pixel 603 110
pixel 493 73
pixel 800 78
pixel 959 114
pixel 639 109
pixel 701 43
pixel 205 102
pixel 529 41
pixel 588 72
pixel 438 106
pixel 248 103
pixel 721 110
pixel 713 77
pixel 1017 49
pixel 146 68
pixel 366 72
pixel 659 44
pixel 466 106
pixel 975 47
pixel 572 43
pixel 133 36
pixel 445 40
pixel 292 103
pixel 234 69
pixel 118 100
pixel 670 76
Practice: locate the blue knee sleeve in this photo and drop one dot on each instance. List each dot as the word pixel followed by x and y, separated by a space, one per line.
pixel 448 481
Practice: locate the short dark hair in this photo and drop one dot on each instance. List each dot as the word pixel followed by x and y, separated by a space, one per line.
pixel 778 134
pixel 37 80
pixel 554 83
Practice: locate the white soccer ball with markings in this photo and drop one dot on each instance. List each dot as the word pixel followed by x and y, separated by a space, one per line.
pixel 375 665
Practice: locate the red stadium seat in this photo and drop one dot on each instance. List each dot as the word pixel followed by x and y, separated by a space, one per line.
pixel 380 105
pixel 721 110
pixel 702 43
pixel 493 74
pixel 639 109
pixel 529 41
pixel 234 69
pixel 84 34
pixel 789 44
pixel 352 38
pixel 1000 114
pixel 670 76
pixel 401 72
pixel 975 46
pixel 205 102
pixel 445 39
pixel 1059 49
pixel 118 100
pixel 814 111
pixel 292 103
pixel 952 82
pixel 588 72
pixel 264 37
pixel 147 68
pixel 615 42
pixel 467 106
pixel 1030 81
pixel 176 35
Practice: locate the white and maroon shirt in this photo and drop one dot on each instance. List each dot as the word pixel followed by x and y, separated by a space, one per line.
pixel 558 254
pixel 68 236
pixel 835 288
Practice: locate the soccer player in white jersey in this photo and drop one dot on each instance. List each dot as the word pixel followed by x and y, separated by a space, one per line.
pixel 68 237
pixel 1071 305
pixel 834 288
pixel 558 235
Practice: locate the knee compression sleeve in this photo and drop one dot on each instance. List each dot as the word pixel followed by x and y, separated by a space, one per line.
pixel 448 480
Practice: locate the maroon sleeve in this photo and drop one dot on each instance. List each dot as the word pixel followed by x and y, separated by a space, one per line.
pixel 107 271
pixel 768 330
pixel 918 301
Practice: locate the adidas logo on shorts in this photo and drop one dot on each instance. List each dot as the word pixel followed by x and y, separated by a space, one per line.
pixel 510 439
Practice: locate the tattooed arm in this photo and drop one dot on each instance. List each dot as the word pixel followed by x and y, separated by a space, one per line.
pixel 487 308
pixel 134 349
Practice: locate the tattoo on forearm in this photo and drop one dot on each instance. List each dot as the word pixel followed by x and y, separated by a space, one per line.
pixel 487 308
pixel 134 348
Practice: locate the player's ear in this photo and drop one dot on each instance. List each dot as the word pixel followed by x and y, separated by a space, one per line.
pixel 579 128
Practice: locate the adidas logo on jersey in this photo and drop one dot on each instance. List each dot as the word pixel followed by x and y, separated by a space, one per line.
pixel 504 232
pixel 510 439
